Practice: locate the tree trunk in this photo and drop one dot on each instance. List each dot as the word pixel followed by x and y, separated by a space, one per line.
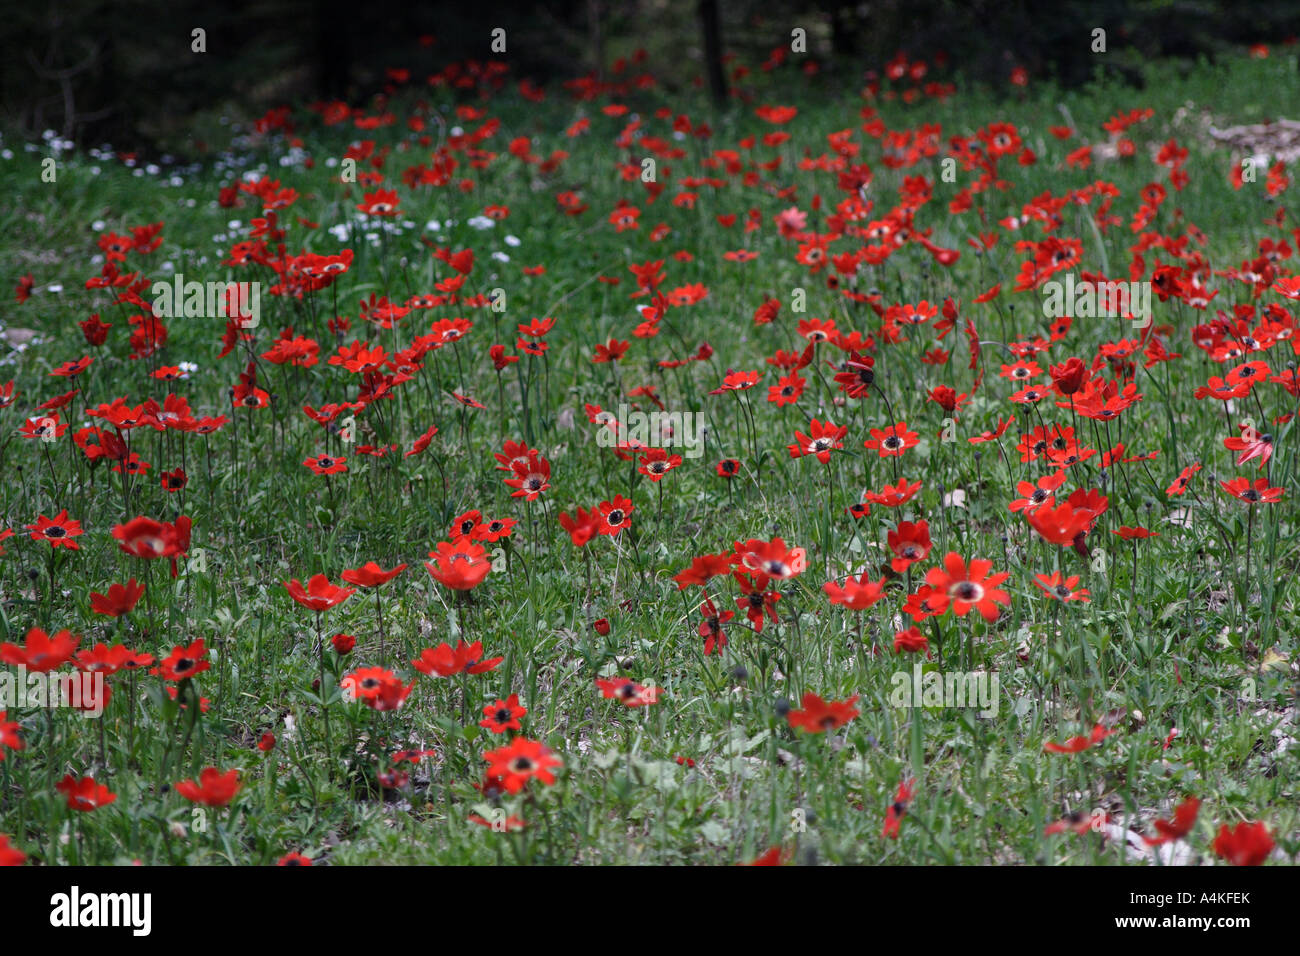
pixel 713 51
pixel 333 50
pixel 597 38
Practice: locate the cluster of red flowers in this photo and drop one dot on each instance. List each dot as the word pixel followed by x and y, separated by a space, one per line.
pixel 881 385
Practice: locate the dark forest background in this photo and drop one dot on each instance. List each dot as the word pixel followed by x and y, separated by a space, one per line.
pixel 124 73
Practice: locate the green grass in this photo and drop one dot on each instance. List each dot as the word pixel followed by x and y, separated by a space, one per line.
pixel 1156 650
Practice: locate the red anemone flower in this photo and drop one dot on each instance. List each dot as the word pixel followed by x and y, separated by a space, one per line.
pixel 460 565
pixel 445 662
pixel 58 531
pixel 319 594
pixel 120 599
pixel 1246 844
pixel 962 587
pixel 519 762
pixel 628 692
pixel 371 575
pixel 819 716
pixel 213 788
pixel 39 651
pixel 85 794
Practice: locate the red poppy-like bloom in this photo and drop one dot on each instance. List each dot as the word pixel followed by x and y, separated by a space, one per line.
pixel 58 531
pixel 509 824
pixel 319 594
pixel 615 515
pixel 1246 844
pixel 145 538
pixel 856 375
pixel 530 477
pixel 711 627
pixel 773 857
pixel 422 442
pixel 109 660
pixel 893 440
pixel 376 687
pixel 445 662
pixel 39 651
pixel 757 599
pixel 962 587
pixel 737 382
pixel 772 559
pixel 460 565
pixel 371 575
pixel 894 814
pixel 1256 492
pixel 502 715
pixel 1068 377
pixel 10 855
pixel 173 481
pixel 381 202
pixel 819 716
pixel 120 599
pixel 581 527
pixel 522 760
pixel 1063 524
pixel 1077 745
pixel 656 463
pixel 293 859
pixel 85 794
pixel 1061 589
pixel 629 692
pixel 213 788
pixel 185 662
pixel 9 734
pixel 1077 823
pixel 912 641
pixel 326 464
pixel 1177 828
pixel 857 594
pixel 910 543
pixel 820 440
pixel 892 496
pixel 1037 494
pixel 703 569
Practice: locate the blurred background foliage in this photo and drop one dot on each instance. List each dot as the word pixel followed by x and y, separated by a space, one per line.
pixel 123 72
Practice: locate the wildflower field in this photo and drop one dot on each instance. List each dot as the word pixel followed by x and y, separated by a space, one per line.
pixel 487 472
